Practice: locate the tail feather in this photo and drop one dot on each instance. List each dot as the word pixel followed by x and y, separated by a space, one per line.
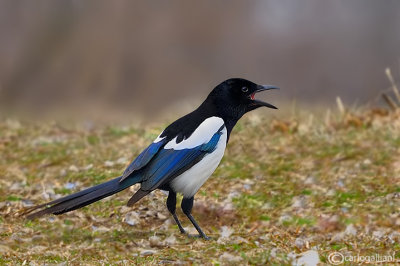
pixel 137 196
pixel 82 198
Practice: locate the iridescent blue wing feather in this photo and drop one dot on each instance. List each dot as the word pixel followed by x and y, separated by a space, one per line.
pixel 170 163
pixel 143 159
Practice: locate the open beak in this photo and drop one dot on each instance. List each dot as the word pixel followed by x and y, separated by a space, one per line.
pixel 263 88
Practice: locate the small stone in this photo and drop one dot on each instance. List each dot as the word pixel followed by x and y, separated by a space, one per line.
pixel 338 237
pixel 229 257
pixel 226 232
pixel 309 181
pixel 131 218
pixel 273 252
pixel 109 163
pixel 285 218
pixel 147 252
pixel 331 193
pixel 367 162
pixel 73 168
pixel 308 258
pixel 161 216
pixel 87 167
pixel 299 243
pixel 121 160
pixel 170 241
pixel 299 202
pixel 350 230
pixel 340 183
pixel 16 186
pixel 155 241
pixel 266 206
pixel 378 234
pixel 63 172
pixel 70 185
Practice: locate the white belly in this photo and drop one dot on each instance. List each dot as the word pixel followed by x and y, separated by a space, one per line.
pixel 190 181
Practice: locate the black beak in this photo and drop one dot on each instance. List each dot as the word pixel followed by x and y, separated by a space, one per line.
pixel 265 88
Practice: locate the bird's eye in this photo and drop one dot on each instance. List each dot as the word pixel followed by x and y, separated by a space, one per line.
pixel 245 89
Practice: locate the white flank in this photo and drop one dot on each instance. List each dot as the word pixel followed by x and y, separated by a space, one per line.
pixel 190 181
pixel 201 135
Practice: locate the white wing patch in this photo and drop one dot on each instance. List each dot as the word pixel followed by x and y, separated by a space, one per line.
pixel 201 135
pixel 158 139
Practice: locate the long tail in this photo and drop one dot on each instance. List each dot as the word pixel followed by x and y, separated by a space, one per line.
pixel 82 198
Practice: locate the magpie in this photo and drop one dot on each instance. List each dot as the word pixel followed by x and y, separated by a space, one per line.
pixel 180 159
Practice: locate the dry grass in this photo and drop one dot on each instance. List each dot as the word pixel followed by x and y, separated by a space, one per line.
pixel 284 187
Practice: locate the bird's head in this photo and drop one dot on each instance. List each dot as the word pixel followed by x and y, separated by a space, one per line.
pixel 236 96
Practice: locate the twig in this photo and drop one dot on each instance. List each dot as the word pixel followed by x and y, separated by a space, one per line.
pixel 394 86
pixel 340 105
pixel 389 101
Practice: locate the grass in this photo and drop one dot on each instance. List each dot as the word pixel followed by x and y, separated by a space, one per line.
pixel 284 187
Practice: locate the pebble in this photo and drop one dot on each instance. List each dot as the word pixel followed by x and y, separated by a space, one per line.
pixel 169 241
pixel 351 230
pixel 155 241
pixel 70 185
pixel 73 168
pixel 299 243
pixel 131 218
pixel 147 252
pixel 308 258
pixel 226 232
pixel 229 257
pixel 109 163
pixel 161 216
pixel 121 160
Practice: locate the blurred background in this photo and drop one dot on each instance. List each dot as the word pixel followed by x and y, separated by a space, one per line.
pixel 146 56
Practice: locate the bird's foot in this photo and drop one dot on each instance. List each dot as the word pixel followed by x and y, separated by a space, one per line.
pixel 205 237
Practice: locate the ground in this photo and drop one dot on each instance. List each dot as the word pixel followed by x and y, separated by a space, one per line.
pixel 287 189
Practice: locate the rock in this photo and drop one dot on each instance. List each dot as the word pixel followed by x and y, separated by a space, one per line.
pixel 155 241
pixel 101 229
pixel 226 232
pixel 121 160
pixel 26 203
pixel 131 218
pixel 350 230
pixel 331 193
pixel 338 237
pixel 285 218
pixel 267 206
pixel 308 258
pixel 70 185
pixel 299 202
pixel 272 253
pixel 227 257
pixel 16 186
pixel 300 243
pixel 170 241
pixel 63 172
pixel 309 181
pixel 73 168
pixel 88 167
pixel 378 234
pixel 109 163
pixel 147 252
pixel 367 162
pixel 161 216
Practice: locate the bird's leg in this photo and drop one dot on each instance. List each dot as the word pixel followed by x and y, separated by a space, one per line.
pixel 171 205
pixel 187 205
